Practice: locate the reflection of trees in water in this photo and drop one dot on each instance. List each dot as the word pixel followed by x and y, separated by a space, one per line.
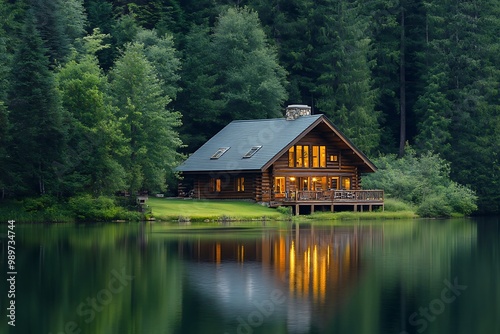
pixel 64 266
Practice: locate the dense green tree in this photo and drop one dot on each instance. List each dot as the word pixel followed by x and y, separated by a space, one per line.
pixel 4 121
pixel 161 53
pixel 385 31
pixel 74 20
pixel 458 110
pixel 95 143
pixel 344 85
pixel 100 15
pixel 232 74
pixel 61 25
pixel 288 23
pixel 251 83
pixel 146 123
pixel 197 100
pixel 36 117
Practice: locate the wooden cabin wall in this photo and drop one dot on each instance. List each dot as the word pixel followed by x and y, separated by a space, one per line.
pixel 202 188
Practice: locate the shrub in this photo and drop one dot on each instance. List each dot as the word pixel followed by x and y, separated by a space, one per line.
pixel 418 180
pixel 395 205
pixel 435 206
pixel 284 210
pixel 462 199
pixel 39 203
pixel 102 208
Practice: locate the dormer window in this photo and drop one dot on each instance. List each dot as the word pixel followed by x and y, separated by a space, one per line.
pixel 219 153
pixel 252 151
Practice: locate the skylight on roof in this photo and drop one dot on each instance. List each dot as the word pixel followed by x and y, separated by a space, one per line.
pixel 219 152
pixel 252 151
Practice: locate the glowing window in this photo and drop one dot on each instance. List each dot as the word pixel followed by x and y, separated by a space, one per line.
pixel 240 184
pixel 291 157
pixel 215 185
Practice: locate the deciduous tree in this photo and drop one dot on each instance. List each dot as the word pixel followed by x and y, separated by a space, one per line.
pixel 148 125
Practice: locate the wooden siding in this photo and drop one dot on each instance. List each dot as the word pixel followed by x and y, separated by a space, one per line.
pixel 265 187
pixel 228 186
pixel 343 167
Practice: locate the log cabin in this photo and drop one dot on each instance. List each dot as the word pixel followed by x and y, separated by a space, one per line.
pixel 303 161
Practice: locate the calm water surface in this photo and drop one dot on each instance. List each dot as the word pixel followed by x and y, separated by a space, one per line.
pixel 436 276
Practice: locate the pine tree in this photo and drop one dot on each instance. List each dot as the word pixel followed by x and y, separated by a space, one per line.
pixel 459 111
pixel 4 122
pixel 251 82
pixel 197 99
pixel 36 117
pixel 344 85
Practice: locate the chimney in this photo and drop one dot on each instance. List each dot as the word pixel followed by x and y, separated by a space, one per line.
pixel 294 111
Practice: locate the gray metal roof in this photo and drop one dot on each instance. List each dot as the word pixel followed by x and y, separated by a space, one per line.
pixel 272 134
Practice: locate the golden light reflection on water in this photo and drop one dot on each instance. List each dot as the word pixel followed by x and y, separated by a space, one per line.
pixel 308 263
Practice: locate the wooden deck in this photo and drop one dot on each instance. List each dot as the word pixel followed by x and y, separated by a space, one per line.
pixel 358 200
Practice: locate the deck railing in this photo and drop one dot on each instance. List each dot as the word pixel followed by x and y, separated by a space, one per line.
pixel 335 196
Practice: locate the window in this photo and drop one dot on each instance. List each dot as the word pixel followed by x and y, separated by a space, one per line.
pixel 298 156
pixel 219 152
pixel 305 149
pixel 319 156
pixel 240 184
pixel 279 185
pixel 315 154
pixel 252 151
pixel 346 183
pixel 215 185
pixel 322 156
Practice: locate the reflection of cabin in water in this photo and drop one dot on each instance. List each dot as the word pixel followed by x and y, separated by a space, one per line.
pixel 309 266
pixel 302 161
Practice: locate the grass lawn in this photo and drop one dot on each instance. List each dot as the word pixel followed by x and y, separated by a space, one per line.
pixel 168 209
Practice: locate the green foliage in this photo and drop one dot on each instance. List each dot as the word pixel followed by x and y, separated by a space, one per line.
pixel 95 142
pixel 250 79
pixel 60 24
pixel 146 123
pixel 395 205
pixel 284 210
pixel 435 205
pixel 37 132
pixel 161 53
pixel 197 99
pixel 41 203
pixel 102 208
pixel 342 64
pixel 423 181
pixel 351 60
pixel 4 118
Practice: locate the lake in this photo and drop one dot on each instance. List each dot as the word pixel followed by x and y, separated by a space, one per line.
pixel 417 276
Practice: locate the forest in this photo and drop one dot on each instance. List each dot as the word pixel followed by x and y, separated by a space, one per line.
pixel 99 97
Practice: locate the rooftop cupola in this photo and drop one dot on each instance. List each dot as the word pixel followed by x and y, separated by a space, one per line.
pixel 294 111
